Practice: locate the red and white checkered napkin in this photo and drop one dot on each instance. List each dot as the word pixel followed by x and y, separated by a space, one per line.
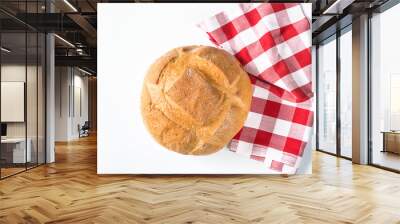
pixel 272 41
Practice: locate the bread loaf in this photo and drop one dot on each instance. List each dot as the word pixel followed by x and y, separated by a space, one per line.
pixel 195 99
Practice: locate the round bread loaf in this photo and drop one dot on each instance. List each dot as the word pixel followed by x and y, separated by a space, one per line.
pixel 195 99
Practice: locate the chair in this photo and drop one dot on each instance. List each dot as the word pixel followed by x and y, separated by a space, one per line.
pixel 84 130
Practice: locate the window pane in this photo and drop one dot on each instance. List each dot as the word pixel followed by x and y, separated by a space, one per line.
pixel 31 100
pixel 346 94
pixel 385 89
pixel 327 97
pixel 14 150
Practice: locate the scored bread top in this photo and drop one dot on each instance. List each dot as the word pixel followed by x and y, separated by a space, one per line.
pixel 195 99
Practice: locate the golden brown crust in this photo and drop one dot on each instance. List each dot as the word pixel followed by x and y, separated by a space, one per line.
pixel 195 99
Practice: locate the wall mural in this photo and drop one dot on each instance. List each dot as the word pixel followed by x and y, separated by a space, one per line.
pixel 213 89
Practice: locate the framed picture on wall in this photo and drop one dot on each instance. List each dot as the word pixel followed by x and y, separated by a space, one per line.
pixel 271 134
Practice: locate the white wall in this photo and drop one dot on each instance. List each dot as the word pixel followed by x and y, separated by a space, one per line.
pixel 33 127
pixel 70 83
pixel 12 73
pixel 79 117
pixel 61 103
pixel 16 73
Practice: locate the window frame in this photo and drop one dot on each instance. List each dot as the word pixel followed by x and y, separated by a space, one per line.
pixel 381 9
pixel 334 37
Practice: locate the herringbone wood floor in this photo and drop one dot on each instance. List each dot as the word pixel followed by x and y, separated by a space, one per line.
pixel 69 191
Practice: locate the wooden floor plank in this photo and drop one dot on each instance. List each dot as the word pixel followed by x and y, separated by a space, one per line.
pixel 70 191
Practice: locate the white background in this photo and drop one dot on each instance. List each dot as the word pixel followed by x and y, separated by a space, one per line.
pixel 130 38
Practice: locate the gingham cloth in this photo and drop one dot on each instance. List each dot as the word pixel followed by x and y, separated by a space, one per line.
pixel 272 41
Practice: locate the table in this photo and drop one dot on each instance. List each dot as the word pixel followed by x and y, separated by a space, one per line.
pixel 391 141
pixel 15 148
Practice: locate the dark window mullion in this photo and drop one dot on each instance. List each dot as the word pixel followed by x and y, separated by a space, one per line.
pixel 338 73
pixel 26 87
pixel 0 96
pixel 369 89
pixel 37 90
pixel 317 97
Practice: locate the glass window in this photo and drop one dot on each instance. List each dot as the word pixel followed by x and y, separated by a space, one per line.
pixel 327 96
pixel 15 152
pixel 346 94
pixel 22 92
pixel 385 89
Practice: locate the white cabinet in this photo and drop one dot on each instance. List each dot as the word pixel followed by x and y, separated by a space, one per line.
pixel 19 155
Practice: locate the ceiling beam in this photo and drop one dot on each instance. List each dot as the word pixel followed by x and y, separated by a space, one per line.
pixel 337 7
pixel 85 25
pixel 320 22
pixel 83 61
